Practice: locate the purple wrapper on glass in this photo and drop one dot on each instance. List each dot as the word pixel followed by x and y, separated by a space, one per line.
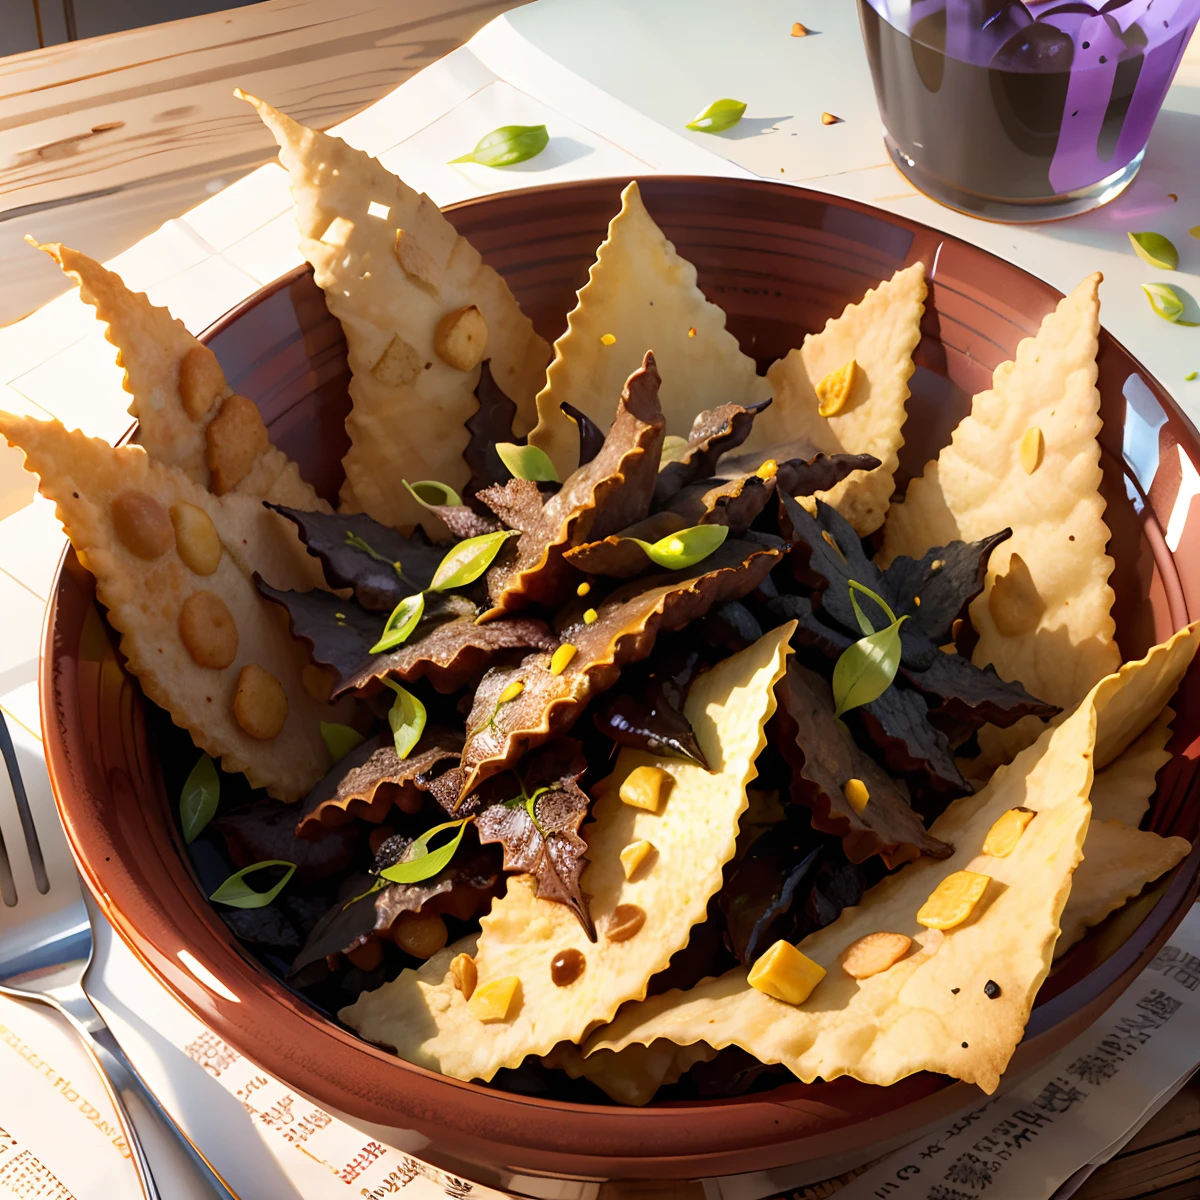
pixel 1022 111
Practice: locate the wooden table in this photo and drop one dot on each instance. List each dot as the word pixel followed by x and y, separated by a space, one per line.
pixel 103 140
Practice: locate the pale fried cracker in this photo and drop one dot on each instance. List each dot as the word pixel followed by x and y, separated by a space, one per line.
pixel 1122 790
pixel 930 1010
pixel 144 598
pixel 151 344
pixel 644 295
pixel 1117 863
pixel 880 334
pixel 408 419
pixel 632 1075
pixel 425 1019
pixel 1049 626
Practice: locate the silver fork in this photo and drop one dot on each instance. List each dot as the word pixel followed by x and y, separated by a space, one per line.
pixel 46 949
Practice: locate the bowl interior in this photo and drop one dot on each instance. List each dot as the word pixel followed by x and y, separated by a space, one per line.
pixel 780 261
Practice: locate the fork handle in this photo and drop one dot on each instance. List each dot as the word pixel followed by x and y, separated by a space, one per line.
pixel 125 1081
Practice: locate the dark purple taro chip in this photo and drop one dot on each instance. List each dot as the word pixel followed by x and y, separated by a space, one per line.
pixel 266 829
pixel 714 432
pixel 491 422
pixel 591 436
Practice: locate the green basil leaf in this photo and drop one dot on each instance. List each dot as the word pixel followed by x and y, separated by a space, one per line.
pixel 406 718
pixel 423 863
pixel 1166 302
pixel 686 548
pixel 404 619
pixel 673 447
pixel 198 800
pixel 527 462
pixel 429 492
pixel 340 739
pixel 1195 231
pixel 468 560
pixel 237 893
pixel 507 145
pixel 1190 376
pixel 718 116
pixel 1155 249
pixel 864 622
pixel 866 670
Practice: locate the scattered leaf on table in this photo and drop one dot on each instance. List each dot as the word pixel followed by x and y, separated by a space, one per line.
pixel 1166 302
pixel 718 116
pixel 1155 249
pixel 507 145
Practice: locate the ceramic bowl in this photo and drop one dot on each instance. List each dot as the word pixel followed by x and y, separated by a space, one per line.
pixel 780 261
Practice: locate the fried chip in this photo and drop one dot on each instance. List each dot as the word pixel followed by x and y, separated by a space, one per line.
pixel 176 386
pixel 640 296
pixel 880 333
pixel 426 1020
pixel 714 432
pixel 1044 619
pixel 1122 790
pixel 390 280
pixel 634 1074
pixel 930 1010
pixel 145 597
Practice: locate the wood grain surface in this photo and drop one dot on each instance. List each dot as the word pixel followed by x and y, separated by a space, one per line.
pixel 103 140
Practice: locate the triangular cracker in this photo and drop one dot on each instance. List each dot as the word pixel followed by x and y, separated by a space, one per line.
pixel 424 1017
pixel 409 404
pixel 1122 790
pixel 880 334
pixel 644 295
pixel 152 346
pixel 1047 624
pixel 932 1009
pixel 145 598
pixel 632 1075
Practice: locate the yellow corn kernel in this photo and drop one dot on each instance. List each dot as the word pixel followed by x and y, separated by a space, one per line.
pixel 511 692
pixel 1033 446
pixel 834 390
pixel 608 339
pixel 1004 835
pixel 583 588
pixel 856 794
pixel 590 617
pixel 786 974
pixel 953 900
pixel 560 660
pixel 633 856
pixel 645 787
pixel 768 470
pixel 491 1001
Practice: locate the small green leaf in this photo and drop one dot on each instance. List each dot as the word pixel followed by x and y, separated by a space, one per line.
pixel 423 863
pixel 1195 231
pixel 198 800
pixel 406 718
pixel 404 619
pixel 237 893
pixel 863 622
pixel 1155 249
pixel 527 462
pixel 468 560
pixel 718 116
pixel 507 145
pixel 678 551
pixel 340 739
pixel 866 670
pixel 430 493
pixel 673 447
pixel 1190 376
pixel 1166 302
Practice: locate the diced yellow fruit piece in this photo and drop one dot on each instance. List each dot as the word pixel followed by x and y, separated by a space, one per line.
pixel 1004 835
pixel 874 953
pixel 953 900
pixel 768 470
pixel 633 856
pixel 1033 446
pixel 590 617
pixel 834 390
pixel 856 794
pixel 511 692
pixel 460 338
pixel 583 588
pixel 798 30
pixel 560 660
pixel 491 1001
pixel 786 974
pixel 645 787
pixel 608 339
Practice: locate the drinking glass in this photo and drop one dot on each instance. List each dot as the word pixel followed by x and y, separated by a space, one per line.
pixel 1022 111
